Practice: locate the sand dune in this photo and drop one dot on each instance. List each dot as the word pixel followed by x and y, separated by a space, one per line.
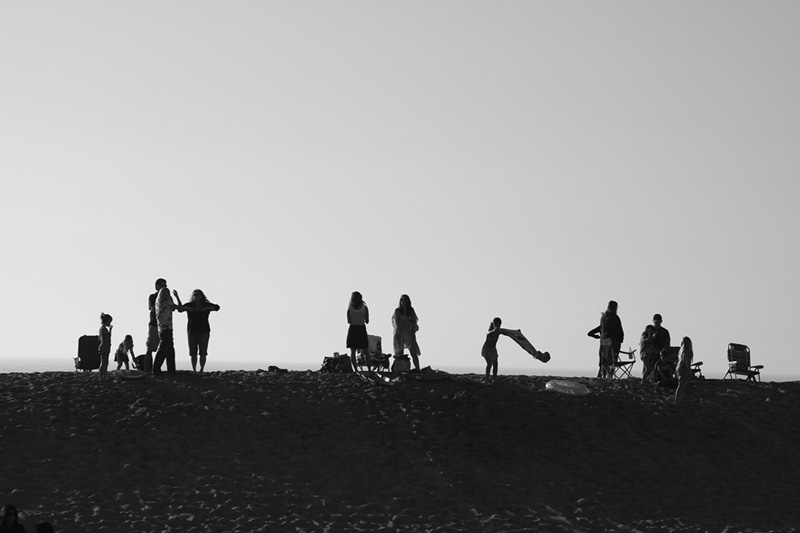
pixel 309 452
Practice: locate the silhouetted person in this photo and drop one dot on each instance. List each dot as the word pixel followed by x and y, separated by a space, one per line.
pixel 357 318
pixel 660 339
pixel 104 348
pixel 646 351
pixel 489 349
pixel 611 336
pixel 9 520
pixel 166 338
pixel 152 329
pixel 121 355
pixel 405 324
pixel 685 357
pixel 197 327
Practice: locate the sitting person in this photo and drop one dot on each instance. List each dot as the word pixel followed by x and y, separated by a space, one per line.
pixel 664 371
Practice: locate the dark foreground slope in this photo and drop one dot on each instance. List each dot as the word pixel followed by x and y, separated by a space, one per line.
pixel 303 451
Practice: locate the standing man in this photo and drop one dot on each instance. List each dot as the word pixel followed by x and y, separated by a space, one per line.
pixel 660 336
pixel 611 336
pixel 152 331
pixel 166 339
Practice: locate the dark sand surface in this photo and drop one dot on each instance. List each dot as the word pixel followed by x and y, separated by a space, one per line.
pixel 308 452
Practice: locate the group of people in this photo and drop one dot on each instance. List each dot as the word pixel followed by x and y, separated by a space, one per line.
pixel 654 345
pixel 160 338
pixel 405 325
pixel 9 522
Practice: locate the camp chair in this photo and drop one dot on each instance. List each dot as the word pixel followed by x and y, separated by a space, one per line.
pixel 696 372
pixel 88 359
pixel 739 363
pixel 622 368
pixel 374 358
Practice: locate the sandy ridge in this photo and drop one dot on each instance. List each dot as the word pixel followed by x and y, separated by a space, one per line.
pixel 305 451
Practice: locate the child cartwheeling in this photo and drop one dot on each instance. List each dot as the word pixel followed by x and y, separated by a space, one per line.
pixel 121 355
pixel 104 349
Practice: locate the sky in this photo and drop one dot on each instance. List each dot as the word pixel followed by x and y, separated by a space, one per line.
pixel 526 160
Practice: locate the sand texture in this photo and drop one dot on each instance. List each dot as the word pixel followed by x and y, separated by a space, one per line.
pixel 310 452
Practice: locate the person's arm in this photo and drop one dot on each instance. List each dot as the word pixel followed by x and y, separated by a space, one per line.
pixel 594 333
pixel 366 315
pixel 210 307
pixel 178 298
pixel 348 316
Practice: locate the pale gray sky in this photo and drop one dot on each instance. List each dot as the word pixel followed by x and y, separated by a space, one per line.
pixel 528 160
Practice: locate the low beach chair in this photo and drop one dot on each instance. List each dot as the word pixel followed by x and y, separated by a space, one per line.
pixel 88 359
pixel 739 363
pixel 622 367
pixel 696 372
pixel 375 358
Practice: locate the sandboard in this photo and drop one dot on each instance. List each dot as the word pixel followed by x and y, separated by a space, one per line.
pixel 564 386
pixel 127 374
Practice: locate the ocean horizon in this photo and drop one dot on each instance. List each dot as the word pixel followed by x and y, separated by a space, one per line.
pixel 67 364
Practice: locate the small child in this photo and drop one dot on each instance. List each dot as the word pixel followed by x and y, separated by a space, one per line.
pixel 105 343
pixel 121 355
pixel 489 350
pixel 358 318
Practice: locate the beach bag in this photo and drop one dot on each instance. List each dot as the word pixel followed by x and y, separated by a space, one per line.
pixel 401 365
pixel 338 363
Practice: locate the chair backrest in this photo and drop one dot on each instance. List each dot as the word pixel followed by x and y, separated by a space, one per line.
pixel 740 355
pixel 374 345
pixel 671 355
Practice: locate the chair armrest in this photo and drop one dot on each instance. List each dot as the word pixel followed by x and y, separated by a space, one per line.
pixel 698 364
pixel 757 367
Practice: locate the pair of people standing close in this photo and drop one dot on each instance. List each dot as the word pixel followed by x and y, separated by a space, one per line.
pixel 197 310
pixel 611 335
pixel 404 323
pixel 654 339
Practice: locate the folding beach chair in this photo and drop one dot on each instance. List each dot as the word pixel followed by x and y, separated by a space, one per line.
pixel 88 359
pixel 622 367
pixel 374 358
pixel 739 363
pixel 696 372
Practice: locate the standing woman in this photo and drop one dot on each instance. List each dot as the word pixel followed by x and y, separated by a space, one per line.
pixel 197 327
pixel 404 321
pixel 489 350
pixel 646 352
pixel 104 349
pixel 685 357
pixel 358 318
